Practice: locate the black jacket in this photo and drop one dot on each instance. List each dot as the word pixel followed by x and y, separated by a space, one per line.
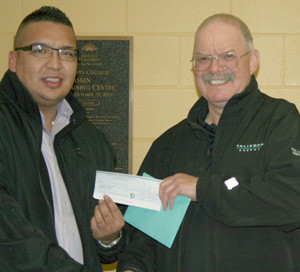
pixel 27 231
pixel 254 226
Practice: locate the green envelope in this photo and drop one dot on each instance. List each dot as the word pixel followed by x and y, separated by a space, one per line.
pixel 160 225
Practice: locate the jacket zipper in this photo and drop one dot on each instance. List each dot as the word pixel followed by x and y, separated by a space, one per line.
pixel 39 147
pixel 183 221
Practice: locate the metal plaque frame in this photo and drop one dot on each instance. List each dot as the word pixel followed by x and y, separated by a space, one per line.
pixel 104 87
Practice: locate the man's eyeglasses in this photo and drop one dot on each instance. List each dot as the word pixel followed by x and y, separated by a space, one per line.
pixel 44 51
pixel 227 60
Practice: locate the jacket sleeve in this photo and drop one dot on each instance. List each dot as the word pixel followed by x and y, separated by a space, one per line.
pixel 110 254
pixel 139 254
pixel 23 248
pixel 269 196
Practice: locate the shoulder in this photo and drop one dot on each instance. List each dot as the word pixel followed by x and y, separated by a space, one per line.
pixel 170 133
pixel 277 107
pixel 171 138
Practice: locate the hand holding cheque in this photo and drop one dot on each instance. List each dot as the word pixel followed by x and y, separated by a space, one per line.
pixel 107 216
pixel 144 192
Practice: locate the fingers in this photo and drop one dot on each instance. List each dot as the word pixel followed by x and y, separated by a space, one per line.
pixel 109 210
pixel 167 193
pixel 178 184
pixel 107 220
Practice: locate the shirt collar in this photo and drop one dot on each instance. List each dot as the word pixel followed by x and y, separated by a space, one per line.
pixel 64 112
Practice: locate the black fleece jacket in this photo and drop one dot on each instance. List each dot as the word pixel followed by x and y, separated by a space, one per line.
pixel 27 231
pixel 251 227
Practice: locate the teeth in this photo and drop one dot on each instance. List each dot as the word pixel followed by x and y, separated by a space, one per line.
pixel 217 82
pixel 51 79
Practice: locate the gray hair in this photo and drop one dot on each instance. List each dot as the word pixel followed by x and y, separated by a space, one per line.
pixel 231 20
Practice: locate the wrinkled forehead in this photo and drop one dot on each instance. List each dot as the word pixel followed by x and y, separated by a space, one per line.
pixel 218 37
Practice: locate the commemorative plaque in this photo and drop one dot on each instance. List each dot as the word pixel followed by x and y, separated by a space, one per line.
pixel 103 86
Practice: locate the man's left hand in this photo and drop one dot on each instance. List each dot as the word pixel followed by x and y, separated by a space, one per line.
pixel 107 221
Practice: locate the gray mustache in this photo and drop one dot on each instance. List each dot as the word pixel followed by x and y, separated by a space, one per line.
pixel 226 77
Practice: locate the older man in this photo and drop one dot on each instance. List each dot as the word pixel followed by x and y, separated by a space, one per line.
pixel 49 154
pixel 237 156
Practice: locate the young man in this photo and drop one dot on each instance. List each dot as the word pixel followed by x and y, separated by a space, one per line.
pixel 237 156
pixel 49 154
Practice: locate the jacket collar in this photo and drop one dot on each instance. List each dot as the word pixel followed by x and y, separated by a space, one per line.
pixel 14 90
pixel 237 103
pixel 16 93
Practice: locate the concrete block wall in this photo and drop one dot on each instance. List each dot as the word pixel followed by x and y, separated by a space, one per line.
pixel 163 85
pixel 163 31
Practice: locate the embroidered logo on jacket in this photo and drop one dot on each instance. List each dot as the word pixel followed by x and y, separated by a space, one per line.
pixel 249 148
pixel 295 151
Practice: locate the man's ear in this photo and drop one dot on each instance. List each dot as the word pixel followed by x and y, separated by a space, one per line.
pixel 12 60
pixel 254 61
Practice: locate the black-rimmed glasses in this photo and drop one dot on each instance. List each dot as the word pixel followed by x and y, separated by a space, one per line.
pixel 45 51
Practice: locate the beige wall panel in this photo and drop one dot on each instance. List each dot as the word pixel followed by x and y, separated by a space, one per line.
pixel 187 74
pixel 271 68
pixel 88 17
pixel 140 149
pixel 171 16
pixel 157 110
pixel 10 14
pixel 163 30
pixel 291 95
pixel 156 60
pixel 6 47
pixel 292 61
pixel 269 16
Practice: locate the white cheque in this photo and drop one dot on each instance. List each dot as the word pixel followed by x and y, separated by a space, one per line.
pixel 128 189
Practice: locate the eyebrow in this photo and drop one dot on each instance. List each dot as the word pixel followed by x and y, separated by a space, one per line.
pixel 69 47
pixel 227 51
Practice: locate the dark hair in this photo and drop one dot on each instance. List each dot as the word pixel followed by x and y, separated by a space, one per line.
pixel 49 14
pixel 45 14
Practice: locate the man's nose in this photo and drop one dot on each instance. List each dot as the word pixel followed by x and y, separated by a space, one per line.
pixel 55 60
pixel 215 64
